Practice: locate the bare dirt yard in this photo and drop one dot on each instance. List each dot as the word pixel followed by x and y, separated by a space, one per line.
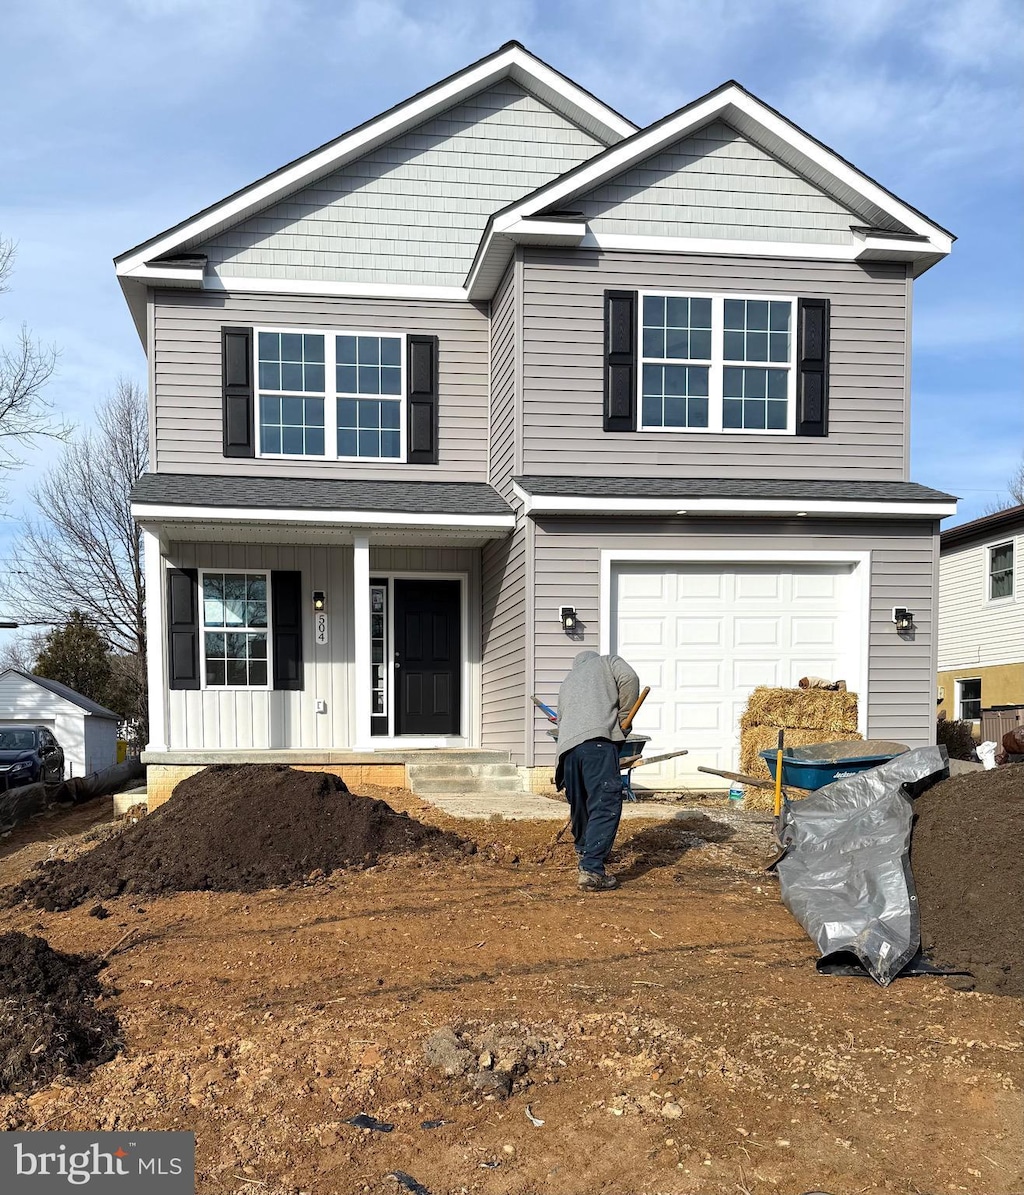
pixel 521 1037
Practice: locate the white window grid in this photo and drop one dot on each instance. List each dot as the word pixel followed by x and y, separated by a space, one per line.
pixel 332 394
pixel 717 363
pixel 203 628
pixel 990 551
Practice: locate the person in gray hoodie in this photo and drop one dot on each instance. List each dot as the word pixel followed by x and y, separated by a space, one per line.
pixel 593 700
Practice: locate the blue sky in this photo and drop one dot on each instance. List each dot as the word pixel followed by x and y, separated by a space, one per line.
pixel 123 116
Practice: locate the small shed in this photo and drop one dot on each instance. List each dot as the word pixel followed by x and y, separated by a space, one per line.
pixel 86 730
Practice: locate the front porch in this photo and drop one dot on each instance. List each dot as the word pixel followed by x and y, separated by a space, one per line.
pixel 334 638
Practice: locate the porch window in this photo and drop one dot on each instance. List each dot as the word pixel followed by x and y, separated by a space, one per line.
pixel 1000 571
pixel 236 620
pixel 716 363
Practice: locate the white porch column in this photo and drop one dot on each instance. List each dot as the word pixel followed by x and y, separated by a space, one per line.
pixel 361 628
pixel 156 640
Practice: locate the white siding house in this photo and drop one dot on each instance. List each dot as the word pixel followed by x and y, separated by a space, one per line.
pixel 86 730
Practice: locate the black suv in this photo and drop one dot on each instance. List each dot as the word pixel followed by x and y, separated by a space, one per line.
pixel 29 754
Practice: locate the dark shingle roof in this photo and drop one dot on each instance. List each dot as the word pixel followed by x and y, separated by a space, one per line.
pixel 1009 521
pixel 319 493
pixel 727 487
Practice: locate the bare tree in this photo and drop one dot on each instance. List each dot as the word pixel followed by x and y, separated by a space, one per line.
pixel 1015 489
pixel 22 651
pixel 25 368
pixel 83 551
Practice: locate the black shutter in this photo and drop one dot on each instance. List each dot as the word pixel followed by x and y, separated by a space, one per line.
pixel 421 386
pixel 183 628
pixel 286 611
pixel 620 360
pixel 239 416
pixel 812 323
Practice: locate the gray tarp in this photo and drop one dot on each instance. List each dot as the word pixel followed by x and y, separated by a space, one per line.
pixel 845 870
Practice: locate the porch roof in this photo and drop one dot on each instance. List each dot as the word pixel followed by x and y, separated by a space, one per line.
pixel 197 506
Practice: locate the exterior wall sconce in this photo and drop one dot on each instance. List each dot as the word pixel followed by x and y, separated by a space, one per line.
pixel 903 618
pixel 568 618
pixel 319 600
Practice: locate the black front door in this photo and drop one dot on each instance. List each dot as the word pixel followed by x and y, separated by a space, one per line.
pixel 427 661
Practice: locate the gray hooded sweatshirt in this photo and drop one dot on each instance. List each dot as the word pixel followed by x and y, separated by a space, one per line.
pixel 594 698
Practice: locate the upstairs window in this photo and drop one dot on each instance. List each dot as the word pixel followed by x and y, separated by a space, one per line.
pixel 1000 571
pixel 712 363
pixel 333 395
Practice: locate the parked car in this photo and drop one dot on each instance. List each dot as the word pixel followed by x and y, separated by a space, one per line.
pixel 29 754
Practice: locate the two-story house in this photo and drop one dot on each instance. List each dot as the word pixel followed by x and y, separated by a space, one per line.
pixel 497 376
pixel 981 616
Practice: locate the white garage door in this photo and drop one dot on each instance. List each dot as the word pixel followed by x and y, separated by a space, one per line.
pixel 703 635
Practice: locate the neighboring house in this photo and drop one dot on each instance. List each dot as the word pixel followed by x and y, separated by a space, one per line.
pixel 498 352
pixel 86 730
pixel 981 615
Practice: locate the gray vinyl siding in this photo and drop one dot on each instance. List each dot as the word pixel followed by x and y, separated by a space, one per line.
pixel 187 376
pixel 413 210
pixel 716 183
pixel 901 679
pixel 503 669
pixel 563 370
pixel 503 383
pixel 230 719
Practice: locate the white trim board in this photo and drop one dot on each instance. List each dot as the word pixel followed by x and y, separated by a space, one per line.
pixel 614 507
pixel 511 61
pixel 145 512
pixel 860 579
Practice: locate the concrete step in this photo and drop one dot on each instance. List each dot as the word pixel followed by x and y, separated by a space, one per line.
pixel 455 771
pixel 468 784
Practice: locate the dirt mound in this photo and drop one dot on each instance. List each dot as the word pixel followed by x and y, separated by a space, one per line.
pixel 49 1022
pixel 238 829
pixel 966 858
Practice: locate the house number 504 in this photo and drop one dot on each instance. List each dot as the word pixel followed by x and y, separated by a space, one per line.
pixel 321 626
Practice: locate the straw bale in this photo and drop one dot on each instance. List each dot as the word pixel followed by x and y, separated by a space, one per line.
pixel 760 738
pixel 802 709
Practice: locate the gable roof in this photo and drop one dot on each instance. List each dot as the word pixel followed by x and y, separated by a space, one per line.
pixel 512 60
pixel 59 690
pixel 892 230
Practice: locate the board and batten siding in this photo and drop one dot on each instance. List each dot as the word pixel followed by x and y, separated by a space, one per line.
pixel 413 210
pixel 238 719
pixel 901 681
pixel 504 659
pixel 563 368
pixel 503 383
pixel 716 183
pixel 187 380
pixel 972 629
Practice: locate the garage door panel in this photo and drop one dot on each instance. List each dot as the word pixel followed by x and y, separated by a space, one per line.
pixel 707 632
pixel 698 674
pixel 713 633
pixel 756 587
pixel 757 632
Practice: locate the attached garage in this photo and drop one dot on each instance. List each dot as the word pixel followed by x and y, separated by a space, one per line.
pixel 704 632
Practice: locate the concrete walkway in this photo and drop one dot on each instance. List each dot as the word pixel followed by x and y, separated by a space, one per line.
pixel 530 807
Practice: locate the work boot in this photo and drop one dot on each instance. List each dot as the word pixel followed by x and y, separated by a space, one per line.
pixel 590 881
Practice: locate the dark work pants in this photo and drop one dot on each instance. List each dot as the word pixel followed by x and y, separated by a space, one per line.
pixel 594 788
